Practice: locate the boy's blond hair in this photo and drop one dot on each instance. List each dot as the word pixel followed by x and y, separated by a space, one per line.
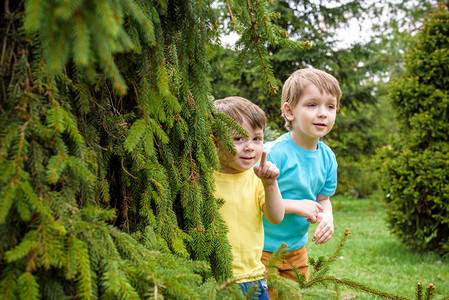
pixel 241 109
pixel 300 80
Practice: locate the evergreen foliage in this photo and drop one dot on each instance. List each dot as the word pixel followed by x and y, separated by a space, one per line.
pixel 414 169
pixel 319 276
pixel 107 149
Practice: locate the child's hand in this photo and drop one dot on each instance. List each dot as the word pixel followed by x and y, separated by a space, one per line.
pixel 305 208
pixel 266 170
pixel 325 229
pixel 311 210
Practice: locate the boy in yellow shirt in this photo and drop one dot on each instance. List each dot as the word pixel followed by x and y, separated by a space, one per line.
pixel 248 193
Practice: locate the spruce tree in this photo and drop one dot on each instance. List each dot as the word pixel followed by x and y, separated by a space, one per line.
pixel 415 169
pixel 107 150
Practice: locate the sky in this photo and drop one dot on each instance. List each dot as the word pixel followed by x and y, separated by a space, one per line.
pixel 358 30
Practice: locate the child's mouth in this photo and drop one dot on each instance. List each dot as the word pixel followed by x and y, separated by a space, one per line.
pixel 247 158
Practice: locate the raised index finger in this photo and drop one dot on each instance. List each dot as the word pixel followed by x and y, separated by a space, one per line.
pixel 263 158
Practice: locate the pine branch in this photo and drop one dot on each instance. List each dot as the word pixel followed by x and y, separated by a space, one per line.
pixel 57 50
pixel 97 213
pixel 157 131
pixel 67 8
pixel 276 256
pixel 322 266
pixel 136 132
pixel 116 282
pixel 28 286
pixel 10 136
pixel 71 263
pixel 55 167
pixel 104 190
pixel 55 118
pixel 84 283
pixel 8 283
pixel 108 18
pixel 81 170
pixel 259 31
pixel 21 250
pixel 355 286
pixel 7 169
pixel 232 16
pixel 35 9
pixel 72 128
pixel 23 207
pixel 429 291
pixel 27 190
pixel 149 23
pixel 107 63
pixel 7 196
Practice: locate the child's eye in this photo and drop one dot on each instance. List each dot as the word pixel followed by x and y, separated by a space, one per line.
pixel 258 138
pixel 311 105
pixel 331 106
pixel 238 139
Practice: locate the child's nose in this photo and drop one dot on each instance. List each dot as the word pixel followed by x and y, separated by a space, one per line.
pixel 249 146
pixel 322 113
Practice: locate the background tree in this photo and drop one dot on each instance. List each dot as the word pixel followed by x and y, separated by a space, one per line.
pixel 414 168
pixel 362 68
pixel 106 147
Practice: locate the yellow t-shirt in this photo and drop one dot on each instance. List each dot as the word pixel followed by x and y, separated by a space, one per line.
pixel 244 198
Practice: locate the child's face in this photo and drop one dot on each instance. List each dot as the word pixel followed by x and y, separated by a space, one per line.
pixel 249 150
pixel 312 117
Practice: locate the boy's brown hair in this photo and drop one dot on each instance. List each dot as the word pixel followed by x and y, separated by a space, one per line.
pixel 241 109
pixel 300 80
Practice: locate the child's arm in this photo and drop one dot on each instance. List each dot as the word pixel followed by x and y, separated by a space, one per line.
pixel 325 229
pixel 305 208
pixel 273 208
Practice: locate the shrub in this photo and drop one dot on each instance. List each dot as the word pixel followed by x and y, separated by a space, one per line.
pixel 415 167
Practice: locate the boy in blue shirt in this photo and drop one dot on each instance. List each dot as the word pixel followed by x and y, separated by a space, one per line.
pixel 308 167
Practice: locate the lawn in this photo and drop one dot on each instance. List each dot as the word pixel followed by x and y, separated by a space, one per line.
pixel 374 257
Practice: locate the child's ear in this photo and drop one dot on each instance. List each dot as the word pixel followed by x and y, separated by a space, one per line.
pixel 288 111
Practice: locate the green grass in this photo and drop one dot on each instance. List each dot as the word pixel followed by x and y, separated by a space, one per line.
pixel 374 257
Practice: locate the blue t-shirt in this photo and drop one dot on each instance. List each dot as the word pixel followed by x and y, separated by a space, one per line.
pixel 303 175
